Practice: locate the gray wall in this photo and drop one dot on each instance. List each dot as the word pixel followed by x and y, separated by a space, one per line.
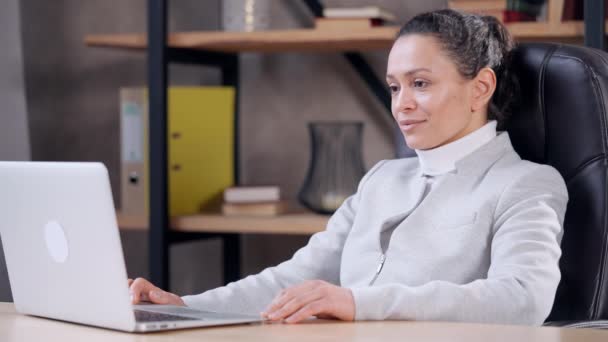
pixel 72 93
pixel 14 140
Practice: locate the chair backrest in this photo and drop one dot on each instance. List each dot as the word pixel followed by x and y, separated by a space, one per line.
pixel 560 120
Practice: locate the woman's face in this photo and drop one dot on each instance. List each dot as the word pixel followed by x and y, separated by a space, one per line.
pixel 432 103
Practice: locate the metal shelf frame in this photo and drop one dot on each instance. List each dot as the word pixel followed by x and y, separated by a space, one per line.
pixel 159 56
pixel 595 35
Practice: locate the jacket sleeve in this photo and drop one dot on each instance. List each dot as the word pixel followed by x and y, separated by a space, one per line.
pixel 319 259
pixel 523 276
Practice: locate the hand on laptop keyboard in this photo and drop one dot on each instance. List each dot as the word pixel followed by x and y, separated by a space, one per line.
pixel 143 290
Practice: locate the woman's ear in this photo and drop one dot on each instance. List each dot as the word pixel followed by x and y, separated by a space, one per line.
pixel 483 89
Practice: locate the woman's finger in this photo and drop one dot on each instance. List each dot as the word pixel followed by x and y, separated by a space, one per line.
pixel 314 308
pixel 301 299
pixel 159 297
pixel 286 295
pixel 277 302
pixel 139 289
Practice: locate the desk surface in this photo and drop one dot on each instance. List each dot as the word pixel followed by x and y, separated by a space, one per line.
pixel 15 327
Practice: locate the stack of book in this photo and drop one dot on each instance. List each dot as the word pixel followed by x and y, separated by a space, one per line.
pixel 495 8
pixel 253 201
pixel 353 18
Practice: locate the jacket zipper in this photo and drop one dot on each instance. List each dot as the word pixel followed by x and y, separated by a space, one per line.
pixel 379 269
pixel 421 197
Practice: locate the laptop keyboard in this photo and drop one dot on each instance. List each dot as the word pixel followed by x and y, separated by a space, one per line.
pixel 148 316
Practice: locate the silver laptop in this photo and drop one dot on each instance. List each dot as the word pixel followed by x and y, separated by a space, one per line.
pixel 64 255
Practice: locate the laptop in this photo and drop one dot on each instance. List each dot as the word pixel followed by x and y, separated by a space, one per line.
pixel 64 256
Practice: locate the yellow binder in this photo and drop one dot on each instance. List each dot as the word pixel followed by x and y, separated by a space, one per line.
pixel 200 146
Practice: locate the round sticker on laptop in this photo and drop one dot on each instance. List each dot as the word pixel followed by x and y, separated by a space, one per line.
pixel 56 243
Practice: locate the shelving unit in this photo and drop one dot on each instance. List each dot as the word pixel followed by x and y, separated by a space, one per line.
pixel 220 49
pixel 314 40
pixel 330 40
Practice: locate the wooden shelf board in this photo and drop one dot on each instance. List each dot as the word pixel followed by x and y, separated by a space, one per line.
pixel 290 224
pixel 566 29
pixel 261 41
pixel 313 40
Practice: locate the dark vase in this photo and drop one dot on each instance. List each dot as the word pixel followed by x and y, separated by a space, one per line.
pixel 336 165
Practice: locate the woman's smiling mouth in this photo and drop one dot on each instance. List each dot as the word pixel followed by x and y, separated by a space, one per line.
pixel 409 124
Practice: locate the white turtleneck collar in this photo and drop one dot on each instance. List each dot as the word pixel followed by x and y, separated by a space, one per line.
pixel 442 159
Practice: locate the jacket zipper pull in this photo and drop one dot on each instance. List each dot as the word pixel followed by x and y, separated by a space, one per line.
pixel 379 269
pixel 382 259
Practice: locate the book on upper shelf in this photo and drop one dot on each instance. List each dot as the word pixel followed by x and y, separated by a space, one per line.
pixel 273 208
pixel 359 12
pixel 252 194
pixel 347 23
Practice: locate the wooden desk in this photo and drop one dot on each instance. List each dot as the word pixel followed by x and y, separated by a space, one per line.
pixel 18 328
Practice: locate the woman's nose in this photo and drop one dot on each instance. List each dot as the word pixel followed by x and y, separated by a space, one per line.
pixel 404 102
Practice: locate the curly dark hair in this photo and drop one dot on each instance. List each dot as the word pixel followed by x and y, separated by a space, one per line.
pixel 473 42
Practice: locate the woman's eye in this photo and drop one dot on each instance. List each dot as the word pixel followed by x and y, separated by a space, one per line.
pixel 420 84
pixel 393 89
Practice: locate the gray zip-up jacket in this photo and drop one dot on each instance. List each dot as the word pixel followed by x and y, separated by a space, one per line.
pixel 483 245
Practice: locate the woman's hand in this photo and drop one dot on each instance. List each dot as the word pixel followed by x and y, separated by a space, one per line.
pixel 143 290
pixel 312 298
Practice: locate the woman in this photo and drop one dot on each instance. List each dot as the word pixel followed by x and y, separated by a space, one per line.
pixel 465 232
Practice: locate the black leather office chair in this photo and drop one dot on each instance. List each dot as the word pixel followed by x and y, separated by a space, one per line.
pixel 561 120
